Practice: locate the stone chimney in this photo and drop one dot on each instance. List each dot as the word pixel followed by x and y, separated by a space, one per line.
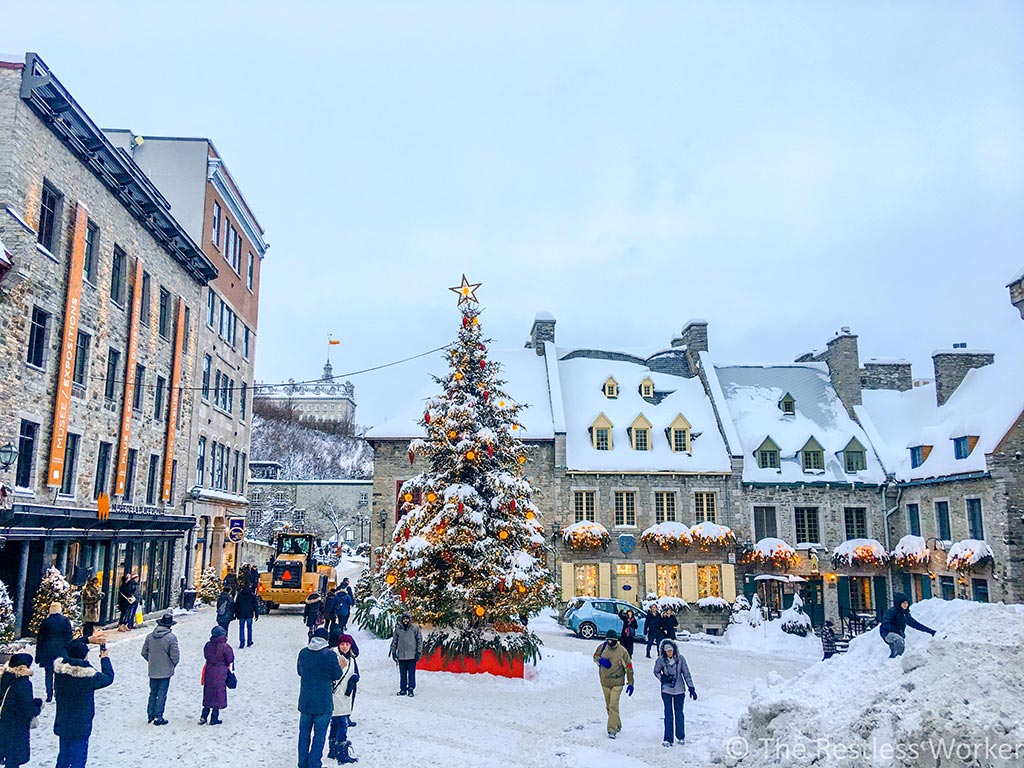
pixel 694 337
pixel 951 365
pixel 543 330
pixel 843 360
pixel 887 374
pixel 1016 287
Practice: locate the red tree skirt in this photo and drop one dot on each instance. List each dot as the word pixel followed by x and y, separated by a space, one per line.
pixel 489 663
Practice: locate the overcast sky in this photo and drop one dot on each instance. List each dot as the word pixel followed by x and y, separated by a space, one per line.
pixel 778 169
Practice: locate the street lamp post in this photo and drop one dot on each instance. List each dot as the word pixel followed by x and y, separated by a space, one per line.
pixel 8 455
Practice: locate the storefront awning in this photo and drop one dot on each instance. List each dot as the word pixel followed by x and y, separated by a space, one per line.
pixel 32 520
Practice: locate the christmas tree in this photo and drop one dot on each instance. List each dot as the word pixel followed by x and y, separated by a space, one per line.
pixel 55 588
pixel 209 585
pixel 467 556
pixel 7 616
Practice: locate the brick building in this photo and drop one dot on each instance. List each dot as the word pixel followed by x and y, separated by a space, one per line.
pixel 210 206
pixel 95 310
pixel 708 480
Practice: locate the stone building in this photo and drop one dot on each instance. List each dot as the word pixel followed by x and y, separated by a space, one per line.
pixel 209 204
pixel 95 310
pixel 325 401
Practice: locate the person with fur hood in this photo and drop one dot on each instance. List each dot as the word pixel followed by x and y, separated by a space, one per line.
pixel 674 675
pixel 17 708
pixel 75 682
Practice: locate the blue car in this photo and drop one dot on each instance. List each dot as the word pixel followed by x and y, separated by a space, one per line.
pixel 591 617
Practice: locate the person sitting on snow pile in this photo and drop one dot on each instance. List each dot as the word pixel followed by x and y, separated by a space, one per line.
pixel 895 622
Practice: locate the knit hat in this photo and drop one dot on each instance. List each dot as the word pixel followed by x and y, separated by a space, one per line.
pixel 611 634
pixel 20 660
pixel 77 650
pixel 346 639
pixel 218 631
pixel 322 633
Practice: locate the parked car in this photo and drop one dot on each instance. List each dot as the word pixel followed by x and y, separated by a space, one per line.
pixel 591 617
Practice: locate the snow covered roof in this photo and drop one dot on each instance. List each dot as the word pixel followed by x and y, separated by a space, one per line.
pixel 751 396
pixel 582 377
pixel 523 370
pixel 985 405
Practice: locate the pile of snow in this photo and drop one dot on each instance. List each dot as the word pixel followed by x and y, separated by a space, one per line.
pixel 967 553
pixel 949 700
pixel 865 551
pixel 794 620
pixel 911 550
pixel 768 637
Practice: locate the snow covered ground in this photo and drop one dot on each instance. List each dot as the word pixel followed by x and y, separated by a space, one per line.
pixel 554 718
pixel 955 699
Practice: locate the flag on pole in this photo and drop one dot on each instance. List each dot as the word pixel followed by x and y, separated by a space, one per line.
pixel 333 342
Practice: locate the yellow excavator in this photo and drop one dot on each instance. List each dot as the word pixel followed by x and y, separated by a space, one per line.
pixel 293 573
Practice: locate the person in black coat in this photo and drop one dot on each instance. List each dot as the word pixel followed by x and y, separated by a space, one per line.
pixel 75 684
pixel 17 708
pixel 318 669
pixel 330 603
pixel 895 622
pixel 828 641
pixel 52 639
pixel 126 599
pixel 669 622
pixel 652 628
pixel 245 611
pixel 627 635
pixel 225 608
pixel 343 606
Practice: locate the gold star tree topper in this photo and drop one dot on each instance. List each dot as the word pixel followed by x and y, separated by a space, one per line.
pixel 466 291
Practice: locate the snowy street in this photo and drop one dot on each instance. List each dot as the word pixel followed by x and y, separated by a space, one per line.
pixel 556 718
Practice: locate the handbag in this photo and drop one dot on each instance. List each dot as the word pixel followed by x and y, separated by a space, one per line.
pixel 231 681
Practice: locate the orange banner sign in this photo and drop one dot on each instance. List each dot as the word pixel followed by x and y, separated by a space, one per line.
pixel 175 390
pixel 129 382
pixel 69 343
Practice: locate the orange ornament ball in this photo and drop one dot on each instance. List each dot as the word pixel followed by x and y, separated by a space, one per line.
pixel 529 514
pixel 390 578
pixel 479 611
pixel 522 459
pixel 407 497
pixel 471 455
pixel 503 535
pixel 453 434
pixel 521 588
pixel 458 375
pixel 431 497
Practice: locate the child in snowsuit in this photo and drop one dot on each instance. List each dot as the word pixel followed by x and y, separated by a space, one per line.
pixel 895 622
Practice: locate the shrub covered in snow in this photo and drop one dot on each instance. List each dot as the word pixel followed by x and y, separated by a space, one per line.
pixel 713 605
pixel 209 585
pixel 55 588
pixel 7 615
pixel 794 620
pixel 585 535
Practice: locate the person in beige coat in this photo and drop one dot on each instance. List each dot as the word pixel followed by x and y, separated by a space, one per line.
pixel 616 670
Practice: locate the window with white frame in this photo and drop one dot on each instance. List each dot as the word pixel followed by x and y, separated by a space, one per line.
pixel 664 506
pixel 705 508
pixel 584 505
pixel 625 508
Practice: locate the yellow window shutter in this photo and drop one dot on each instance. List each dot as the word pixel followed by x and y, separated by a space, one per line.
pixel 689 579
pixel 729 582
pixel 650 578
pixel 568 582
pixel 604 580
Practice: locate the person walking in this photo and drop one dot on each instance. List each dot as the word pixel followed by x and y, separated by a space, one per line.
pixel 616 670
pixel 895 622
pixel 343 605
pixel 75 684
pixel 312 614
pixel 652 628
pixel 92 599
pixel 17 709
pixel 245 610
pixel 828 641
pixel 225 608
pixel 669 622
pixel 406 649
pixel 160 650
pixel 627 635
pixel 52 640
pixel 330 602
pixel 219 658
pixel 671 670
pixel 344 699
pixel 318 669
pixel 126 600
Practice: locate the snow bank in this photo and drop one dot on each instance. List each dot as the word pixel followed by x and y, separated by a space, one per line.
pixel 768 638
pixel 949 700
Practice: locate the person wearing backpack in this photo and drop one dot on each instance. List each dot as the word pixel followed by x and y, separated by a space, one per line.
pixel 225 608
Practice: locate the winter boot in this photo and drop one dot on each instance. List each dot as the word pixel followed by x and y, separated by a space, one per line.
pixel 333 750
pixel 345 754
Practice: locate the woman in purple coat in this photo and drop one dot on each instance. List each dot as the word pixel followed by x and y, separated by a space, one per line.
pixel 219 658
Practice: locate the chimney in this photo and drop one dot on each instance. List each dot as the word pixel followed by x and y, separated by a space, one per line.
pixel 952 365
pixel 694 337
pixel 843 360
pixel 543 330
pixel 887 374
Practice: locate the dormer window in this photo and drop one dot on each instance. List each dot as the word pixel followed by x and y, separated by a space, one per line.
pixel 768 454
pixel 813 456
pixel 647 389
pixel 855 457
pixel 601 433
pixel 679 434
pixel 919 455
pixel 611 388
pixel 787 405
pixel 640 434
pixel 962 446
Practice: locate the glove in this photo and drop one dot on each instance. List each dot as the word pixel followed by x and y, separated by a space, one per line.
pixel 351 687
pixel 629 690
pixel 693 693
pixel 606 663
pixel 931 632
